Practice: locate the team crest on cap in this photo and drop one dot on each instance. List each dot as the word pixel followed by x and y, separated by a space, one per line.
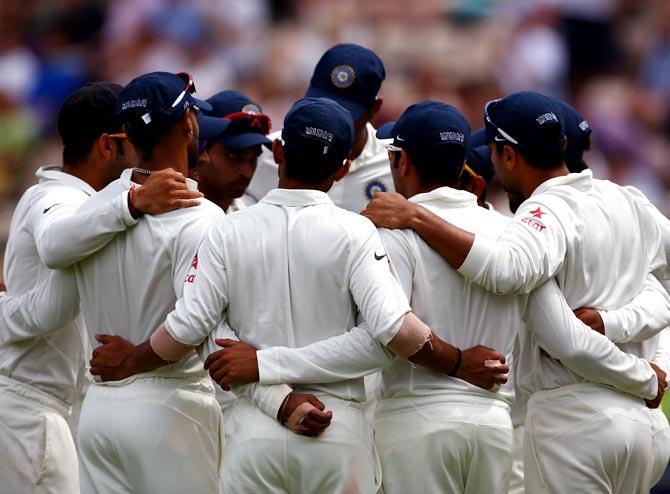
pixel 343 76
pixel 252 108
pixel 374 186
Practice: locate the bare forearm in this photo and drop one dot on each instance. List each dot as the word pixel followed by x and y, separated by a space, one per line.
pixel 145 359
pixel 437 355
pixel 452 243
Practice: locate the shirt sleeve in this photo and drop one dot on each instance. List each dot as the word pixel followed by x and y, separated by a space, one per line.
pixel 582 350
pixel 643 317
pixel 529 251
pixel 205 293
pixel 655 229
pixel 40 311
pixel 662 355
pixel 376 292
pixel 67 233
pixel 401 259
pixel 351 355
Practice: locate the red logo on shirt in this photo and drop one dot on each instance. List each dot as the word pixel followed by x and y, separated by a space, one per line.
pixel 534 224
pixel 538 213
pixel 194 263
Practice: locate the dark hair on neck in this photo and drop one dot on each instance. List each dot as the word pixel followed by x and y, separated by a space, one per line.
pixel 308 170
pixel 143 137
pixel 75 154
pixel 443 166
pixel 542 161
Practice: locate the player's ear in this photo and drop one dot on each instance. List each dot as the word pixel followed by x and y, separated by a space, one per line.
pixel 477 185
pixel 342 171
pixel 104 146
pixel 376 106
pixel 405 164
pixel 188 122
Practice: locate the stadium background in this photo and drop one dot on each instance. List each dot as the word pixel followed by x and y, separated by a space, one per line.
pixel 609 58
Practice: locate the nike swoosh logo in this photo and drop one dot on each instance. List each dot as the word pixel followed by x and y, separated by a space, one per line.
pixel 398 138
pixel 379 258
pixel 47 209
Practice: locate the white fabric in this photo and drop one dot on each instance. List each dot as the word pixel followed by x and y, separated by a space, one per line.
pixel 368 173
pixel 516 477
pixel 291 270
pixel 340 461
pixel 564 425
pixel 151 435
pixel 37 453
pixel 455 444
pixel 55 363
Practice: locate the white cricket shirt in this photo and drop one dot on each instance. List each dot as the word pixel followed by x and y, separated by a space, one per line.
pixel 130 286
pixel 288 271
pixel 369 172
pixel 54 363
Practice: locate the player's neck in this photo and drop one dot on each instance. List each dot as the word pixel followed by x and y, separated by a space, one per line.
pixel 289 183
pixel 359 143
pixel 534 177
pixel 212 195
pixel 168 155
pixel 87 172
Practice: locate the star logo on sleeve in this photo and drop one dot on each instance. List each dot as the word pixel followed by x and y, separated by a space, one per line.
pixel 538 213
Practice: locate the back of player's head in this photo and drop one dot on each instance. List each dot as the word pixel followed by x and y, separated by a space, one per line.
pixel 153 102
pixel 318 134
pixel 578 134
pixel 235 121
pixel 435 136
pixel 349 74
pixel 479 156
pixel 86 114
pixel 529 122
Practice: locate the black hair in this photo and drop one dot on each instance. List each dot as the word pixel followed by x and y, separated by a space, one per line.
pixel 77 151
pixel 542 161
pixel 442 166
pixel 309 170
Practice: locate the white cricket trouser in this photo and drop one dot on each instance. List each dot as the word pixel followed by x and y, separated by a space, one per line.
pixel 262 456
pixel 587 438
pixel 152 435
pixel 660 444
pixel 516 479
pixel 453 443
pixel 37 453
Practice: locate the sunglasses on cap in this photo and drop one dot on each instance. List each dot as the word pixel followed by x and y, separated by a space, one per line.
pixel 118 135
pixel 248 122
pixel 469 171
pixel 189 89
pixel 489 123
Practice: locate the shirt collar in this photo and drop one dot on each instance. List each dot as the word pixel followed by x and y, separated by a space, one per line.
pixel 582 181
pixel 454 197
pixel 296 197
pixel 56 173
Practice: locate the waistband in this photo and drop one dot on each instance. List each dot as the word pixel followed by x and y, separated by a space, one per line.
pixel 450 399
pixel 23 390
pixel 196 384
pixel 566 394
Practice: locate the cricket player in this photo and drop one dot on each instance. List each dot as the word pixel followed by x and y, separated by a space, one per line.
pixel 352 76
pixel 422 411
pixel 344 265
pixel 228 157
pixel 478 170
pixel 560 231
pixel 43 377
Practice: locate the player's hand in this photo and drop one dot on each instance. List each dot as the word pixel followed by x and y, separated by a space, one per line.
pixel 484 367
pixel 164 191
pixel 591 318
pixel 662 385
pixel 235 364
pixel 390 210
pixel 3 288
pixel 111 360
pixel 304 414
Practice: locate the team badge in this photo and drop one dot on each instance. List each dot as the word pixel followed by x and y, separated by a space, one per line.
pixel 374 186
pixel 343 76
pixel 538 213
pixel 252 108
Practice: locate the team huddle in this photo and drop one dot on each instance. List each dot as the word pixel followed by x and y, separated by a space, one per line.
pixel 197 305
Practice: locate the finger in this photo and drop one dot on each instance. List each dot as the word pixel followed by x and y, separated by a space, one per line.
pixel 500 378
pixel 316 402
pixel 222 375
pixel 226 342
pixel 212 358
pixel 187 194
pixel 187 203
pixel 104 338
pixel 96 371
pixel 314 426
pixel 216 367
pixel 319 416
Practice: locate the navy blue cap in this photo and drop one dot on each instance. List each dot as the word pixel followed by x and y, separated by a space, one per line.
pixel 425 127
pixel 479 156
pixel 319 130
pixel 349 74
pixel 215 127
pixel 577 131
pixel 159 98
pixel 526 119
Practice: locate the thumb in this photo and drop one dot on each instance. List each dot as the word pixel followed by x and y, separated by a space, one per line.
pixel 103 338
pixel 316 402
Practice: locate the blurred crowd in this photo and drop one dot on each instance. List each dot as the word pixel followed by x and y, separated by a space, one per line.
pixel 609 58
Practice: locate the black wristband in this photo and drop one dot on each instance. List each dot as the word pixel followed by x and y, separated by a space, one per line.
pixel 280 412
pixel 457 366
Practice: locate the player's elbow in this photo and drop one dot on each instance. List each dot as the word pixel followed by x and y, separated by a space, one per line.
pixel 52 256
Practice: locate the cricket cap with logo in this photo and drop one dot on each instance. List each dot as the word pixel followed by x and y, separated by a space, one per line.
pixel 578 133
pixel 528 120
pixel 318 130
pixel 426 127
pixel 158 99
pixel 235 121
pixel 349 74
pixel 89 112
